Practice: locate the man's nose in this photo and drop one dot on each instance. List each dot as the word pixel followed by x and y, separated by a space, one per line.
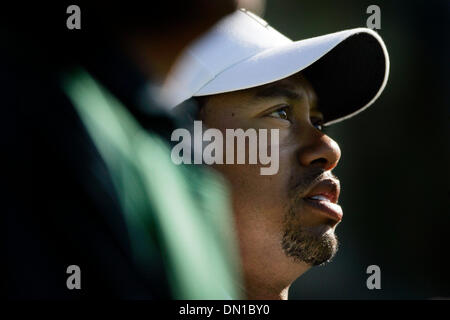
pixel 321 151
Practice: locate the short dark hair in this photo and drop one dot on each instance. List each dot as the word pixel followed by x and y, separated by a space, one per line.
pixel 201 101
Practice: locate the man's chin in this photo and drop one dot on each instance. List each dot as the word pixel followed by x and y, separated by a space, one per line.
pixel 314 247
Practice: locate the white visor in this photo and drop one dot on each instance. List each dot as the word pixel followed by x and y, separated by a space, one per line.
pixel 347 69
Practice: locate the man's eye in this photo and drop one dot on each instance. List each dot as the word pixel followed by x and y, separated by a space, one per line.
pixel 317 123
pixel 281 113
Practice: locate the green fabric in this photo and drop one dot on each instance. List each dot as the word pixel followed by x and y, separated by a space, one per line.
pixel 183 209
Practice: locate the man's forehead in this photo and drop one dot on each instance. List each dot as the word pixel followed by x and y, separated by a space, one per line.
pixel 295 87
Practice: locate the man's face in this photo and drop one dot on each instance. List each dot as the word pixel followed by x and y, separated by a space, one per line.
pixel 287 219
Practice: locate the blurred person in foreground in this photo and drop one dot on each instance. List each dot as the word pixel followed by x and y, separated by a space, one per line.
pixel 88 158
pixel 245 74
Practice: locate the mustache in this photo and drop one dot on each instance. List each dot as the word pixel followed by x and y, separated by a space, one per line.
pixel 309 179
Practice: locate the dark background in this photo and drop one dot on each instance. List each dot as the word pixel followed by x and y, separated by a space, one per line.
pixel 395 155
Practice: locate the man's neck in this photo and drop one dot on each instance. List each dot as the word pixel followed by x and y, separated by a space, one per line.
pixel 267 293
pixel 272 283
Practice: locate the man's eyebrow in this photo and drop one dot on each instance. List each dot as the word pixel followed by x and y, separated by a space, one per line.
pixel 278 91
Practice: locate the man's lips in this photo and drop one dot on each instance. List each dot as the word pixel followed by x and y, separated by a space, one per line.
pixel 323 198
